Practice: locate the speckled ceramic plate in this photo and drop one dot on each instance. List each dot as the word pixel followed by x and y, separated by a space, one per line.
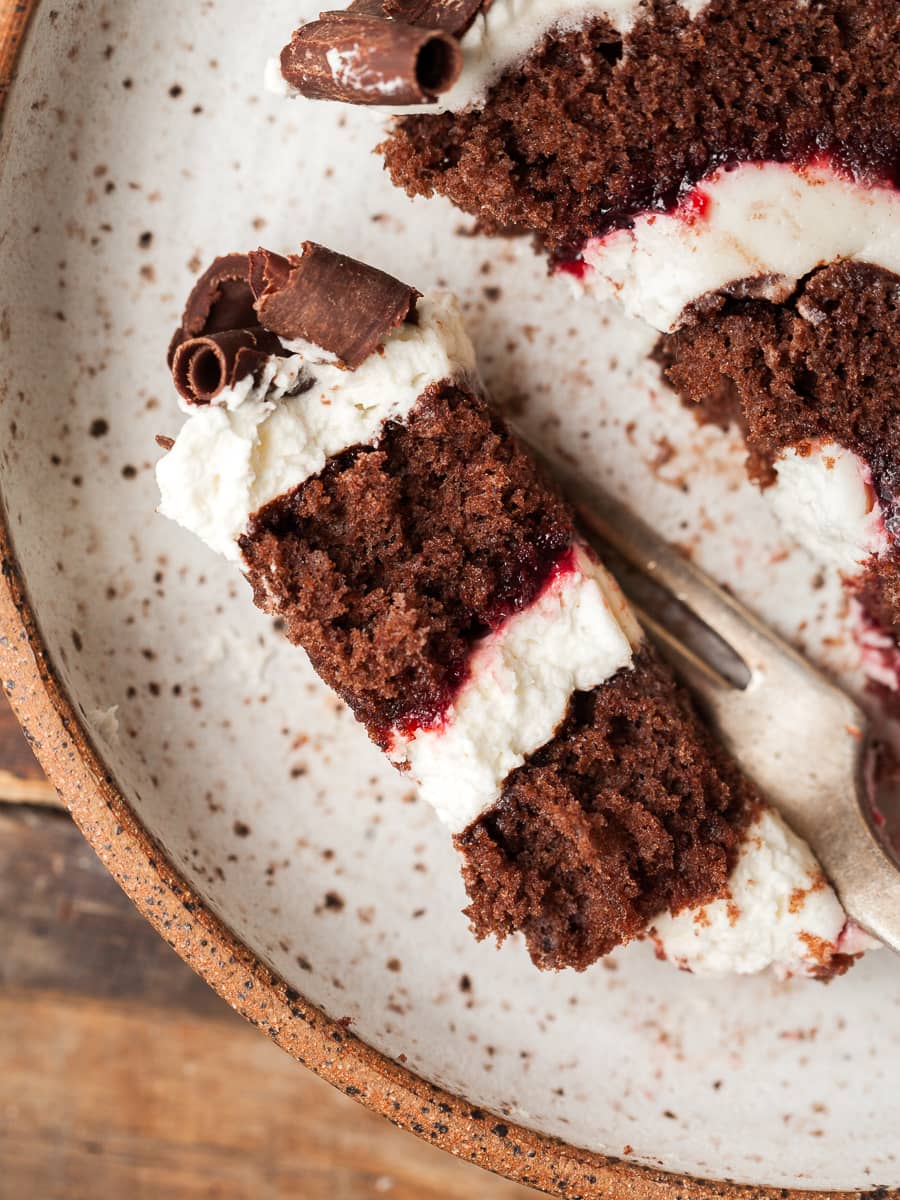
pixel 228 792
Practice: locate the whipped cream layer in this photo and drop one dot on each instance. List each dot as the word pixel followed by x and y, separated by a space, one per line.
pixel 574 636
pixel 825 500
pixel 780 913
pixel 499 39
pixel 263 438
pixel 770 222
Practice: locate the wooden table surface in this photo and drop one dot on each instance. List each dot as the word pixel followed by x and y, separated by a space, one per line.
pixel 123 1076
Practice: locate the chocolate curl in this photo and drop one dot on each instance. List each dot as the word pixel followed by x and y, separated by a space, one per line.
pixel 364 59
pixel 453 16
pixel 164 443
pixel 220 300
pixel 202 367
pixel 269 273
pixel 335 302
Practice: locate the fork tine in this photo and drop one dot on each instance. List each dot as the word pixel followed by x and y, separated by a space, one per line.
pixel 636 542
pixel 702 678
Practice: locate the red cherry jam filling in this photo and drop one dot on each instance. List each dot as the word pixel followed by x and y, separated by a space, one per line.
pixel 691 203
pixel 530 578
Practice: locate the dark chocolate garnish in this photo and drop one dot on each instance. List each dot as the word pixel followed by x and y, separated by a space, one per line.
pixel 335 302
pixel 164 443
pixel 453 16
pixel 361 58
pixel 220 300
pixel 204 366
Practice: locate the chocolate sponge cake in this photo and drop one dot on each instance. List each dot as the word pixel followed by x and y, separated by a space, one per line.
pixel 812 381
pixel 339 448
pixel 727 170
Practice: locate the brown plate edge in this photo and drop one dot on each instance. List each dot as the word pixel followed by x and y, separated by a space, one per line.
pixel 140 867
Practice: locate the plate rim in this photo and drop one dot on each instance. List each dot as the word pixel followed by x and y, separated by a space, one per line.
pixel 52 725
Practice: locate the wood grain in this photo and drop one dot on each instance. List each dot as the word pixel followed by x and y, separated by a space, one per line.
pixel 21 779
pixel 65 925
pixel 122 1074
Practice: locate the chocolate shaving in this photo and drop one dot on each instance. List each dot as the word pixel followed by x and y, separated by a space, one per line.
pixel 453 16
pixel 220 300
pixel 164 443
pixel 202 367
pixel 267 270
pixel 335 302
pixel 361 58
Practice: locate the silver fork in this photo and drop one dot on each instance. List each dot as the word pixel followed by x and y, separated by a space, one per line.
pixel 803 740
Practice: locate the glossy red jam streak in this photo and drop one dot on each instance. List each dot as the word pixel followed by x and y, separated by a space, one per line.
pixel 694 207
pixel 535 577
pixel 575 267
